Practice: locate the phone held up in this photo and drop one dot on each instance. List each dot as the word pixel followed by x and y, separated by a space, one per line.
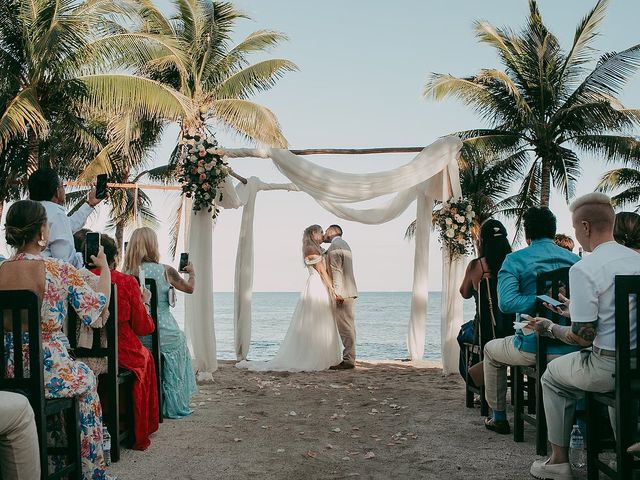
pixel 184 261
pixel 101 186
pixel 551 301
pixel 91 247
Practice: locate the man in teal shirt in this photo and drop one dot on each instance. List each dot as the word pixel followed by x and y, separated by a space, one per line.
pixel 517 294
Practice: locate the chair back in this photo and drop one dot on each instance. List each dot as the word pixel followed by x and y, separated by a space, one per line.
pixel 20 313
pixel 97 350
pixel 627 292
pixel 150 284
pixel 553 283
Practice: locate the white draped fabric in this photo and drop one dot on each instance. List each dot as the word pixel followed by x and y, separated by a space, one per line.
pixel 431 175
pixel 452 274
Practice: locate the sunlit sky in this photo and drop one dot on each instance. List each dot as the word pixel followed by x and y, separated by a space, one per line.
pixel 363 64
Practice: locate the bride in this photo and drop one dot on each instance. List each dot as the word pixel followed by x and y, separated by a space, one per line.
pixel 312 341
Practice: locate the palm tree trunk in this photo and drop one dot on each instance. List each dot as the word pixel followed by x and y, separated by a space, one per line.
pixel 33 159
pixel 120 237
pixel 545 187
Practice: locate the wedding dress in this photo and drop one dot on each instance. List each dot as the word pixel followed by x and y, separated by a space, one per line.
pixel 312 341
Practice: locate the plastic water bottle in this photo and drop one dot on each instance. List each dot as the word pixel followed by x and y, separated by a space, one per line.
pixel 106 446
pixel 577 454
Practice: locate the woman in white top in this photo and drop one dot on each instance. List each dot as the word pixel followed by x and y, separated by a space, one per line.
pixel 312 341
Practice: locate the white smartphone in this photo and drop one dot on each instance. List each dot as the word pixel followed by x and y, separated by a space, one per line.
pixel 142 278
pixel 551 301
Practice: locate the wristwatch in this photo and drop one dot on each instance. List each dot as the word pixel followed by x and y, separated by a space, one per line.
pixel 550 330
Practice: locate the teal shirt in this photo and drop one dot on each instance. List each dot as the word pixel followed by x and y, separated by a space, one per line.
pixel 517 286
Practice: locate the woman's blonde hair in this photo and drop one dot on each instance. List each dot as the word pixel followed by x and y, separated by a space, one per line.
pixel 142 247
pixel 309 245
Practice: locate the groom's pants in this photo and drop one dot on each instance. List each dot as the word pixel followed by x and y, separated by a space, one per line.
pixel 345 315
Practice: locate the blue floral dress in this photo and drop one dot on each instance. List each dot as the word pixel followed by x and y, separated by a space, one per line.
pixel 64 376
pixel 178 379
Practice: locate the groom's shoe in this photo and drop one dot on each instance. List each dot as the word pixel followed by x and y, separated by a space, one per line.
pixel 342 366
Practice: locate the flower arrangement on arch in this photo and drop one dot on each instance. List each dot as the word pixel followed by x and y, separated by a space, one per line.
pixel 454 219
pixel 203 170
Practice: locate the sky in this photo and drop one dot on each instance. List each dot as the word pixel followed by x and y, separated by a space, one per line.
pixel 363 65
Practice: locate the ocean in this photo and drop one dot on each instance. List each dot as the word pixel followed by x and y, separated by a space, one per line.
pixel 382 320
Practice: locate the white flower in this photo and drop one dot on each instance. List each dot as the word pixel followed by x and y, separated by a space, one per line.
pixel 469 208
pixel 463 228
pixel 448 221
pixel 451 233
pixel 459 219
pixel 200 169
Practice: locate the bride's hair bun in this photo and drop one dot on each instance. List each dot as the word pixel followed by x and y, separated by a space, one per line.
pixel 25 219
pixel 626 229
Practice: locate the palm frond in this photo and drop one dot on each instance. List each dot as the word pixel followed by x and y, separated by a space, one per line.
pixel 117 93
pixel 22 113
pixel 250 119
pixel 255 78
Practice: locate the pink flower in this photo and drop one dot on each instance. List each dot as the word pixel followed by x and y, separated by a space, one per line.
pixel 203 177
pixel 202 153
pixel 206 187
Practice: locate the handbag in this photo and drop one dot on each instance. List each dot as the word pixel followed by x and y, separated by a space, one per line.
pixel 172 297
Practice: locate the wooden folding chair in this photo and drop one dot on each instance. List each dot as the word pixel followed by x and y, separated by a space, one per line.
pixel 20 314
pixel 548 283
pixel 624 398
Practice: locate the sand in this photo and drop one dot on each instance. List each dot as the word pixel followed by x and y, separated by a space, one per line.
pixel 382 420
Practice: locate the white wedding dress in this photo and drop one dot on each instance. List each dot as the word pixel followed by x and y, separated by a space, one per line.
pixel 312 341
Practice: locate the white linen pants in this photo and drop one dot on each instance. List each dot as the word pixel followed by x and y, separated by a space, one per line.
pixel 19 452
pixel 564 383
pixel 498 355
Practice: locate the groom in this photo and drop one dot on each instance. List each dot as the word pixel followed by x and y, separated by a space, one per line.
pixel 340 269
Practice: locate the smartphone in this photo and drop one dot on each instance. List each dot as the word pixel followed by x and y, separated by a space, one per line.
pixel 101 186
pixel 125 247
pixel 551 301
pixel 91 247
pixel 184 260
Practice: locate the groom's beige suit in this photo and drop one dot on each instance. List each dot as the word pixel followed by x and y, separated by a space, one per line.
pixel 340 266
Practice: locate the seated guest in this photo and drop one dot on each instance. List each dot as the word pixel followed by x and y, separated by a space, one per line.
pixel 134 321
pixel 19 452
pixel 178 379
pixel 58 284
pixel 517 294
pixel 480 281
pixel 564 241
pixel 592 313
pixel 626 230
pixel 46 187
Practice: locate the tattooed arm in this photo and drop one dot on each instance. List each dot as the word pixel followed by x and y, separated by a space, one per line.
pixel 583 333
pixel 180 283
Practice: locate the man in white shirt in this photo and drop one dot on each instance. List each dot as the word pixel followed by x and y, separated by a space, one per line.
pixel 592 313
pixel 46 187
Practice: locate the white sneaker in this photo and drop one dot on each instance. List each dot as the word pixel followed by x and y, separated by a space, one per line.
pixel 542 470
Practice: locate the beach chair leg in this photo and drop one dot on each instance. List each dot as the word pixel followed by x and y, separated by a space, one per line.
pixel 518 409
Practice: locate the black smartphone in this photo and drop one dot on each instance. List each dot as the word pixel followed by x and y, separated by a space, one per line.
pixel 101 186
pixel 184 260
pixel 91 247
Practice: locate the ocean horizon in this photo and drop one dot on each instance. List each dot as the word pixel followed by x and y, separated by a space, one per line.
pixel 382 321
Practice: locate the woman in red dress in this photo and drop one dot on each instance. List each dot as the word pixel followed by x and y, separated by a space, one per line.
pixel 134 321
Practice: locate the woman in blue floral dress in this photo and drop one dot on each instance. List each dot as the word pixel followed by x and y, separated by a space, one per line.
pixel 178 379
pixel 59 285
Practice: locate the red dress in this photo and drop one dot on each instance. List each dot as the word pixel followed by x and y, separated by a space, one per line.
pixel 134 321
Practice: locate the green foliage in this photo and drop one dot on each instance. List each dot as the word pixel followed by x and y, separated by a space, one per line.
pixel 544 109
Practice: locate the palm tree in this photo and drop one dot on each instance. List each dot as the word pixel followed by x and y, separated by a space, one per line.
pixel 544 108
pixel 626 178
pixel 218 78
pixel 65 64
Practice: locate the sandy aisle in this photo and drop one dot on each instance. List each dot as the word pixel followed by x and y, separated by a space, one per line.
pixel 381 420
